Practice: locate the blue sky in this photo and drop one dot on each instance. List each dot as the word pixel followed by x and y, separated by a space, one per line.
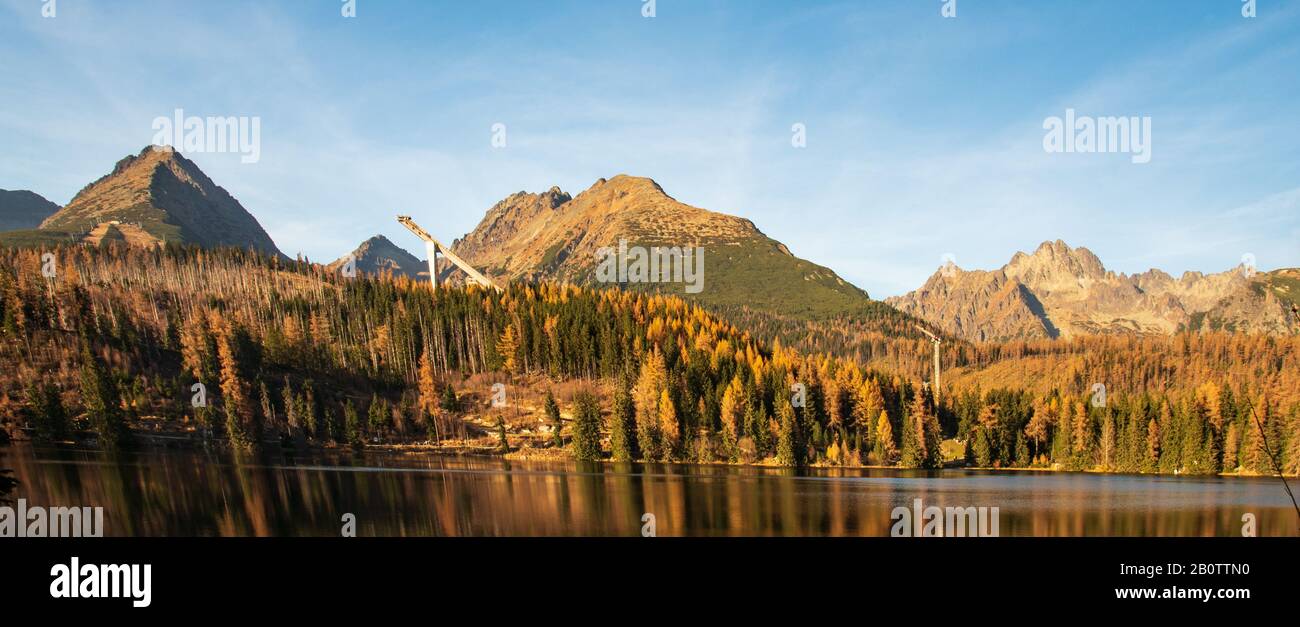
pixel 924 133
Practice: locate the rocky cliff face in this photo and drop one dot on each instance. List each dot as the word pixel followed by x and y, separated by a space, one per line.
pixel 164 194
pixel 1059 291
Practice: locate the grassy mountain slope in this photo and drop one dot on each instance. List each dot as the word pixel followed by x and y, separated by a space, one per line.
pixel 555 236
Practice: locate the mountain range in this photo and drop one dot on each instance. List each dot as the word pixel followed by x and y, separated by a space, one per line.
pixel 1059 291
pixel 159 196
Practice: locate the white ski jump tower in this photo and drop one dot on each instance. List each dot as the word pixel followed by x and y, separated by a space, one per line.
pixel 934 339
pixel 433 247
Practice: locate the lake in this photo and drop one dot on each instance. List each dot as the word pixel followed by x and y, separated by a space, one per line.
pixel 202 493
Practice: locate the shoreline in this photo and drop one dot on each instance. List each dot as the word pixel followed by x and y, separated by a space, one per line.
pixel 161 441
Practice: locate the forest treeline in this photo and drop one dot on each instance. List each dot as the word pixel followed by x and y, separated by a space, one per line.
pixel 886 339
pixel 254 350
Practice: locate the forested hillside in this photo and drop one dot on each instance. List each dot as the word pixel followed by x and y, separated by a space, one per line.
pixel 291 354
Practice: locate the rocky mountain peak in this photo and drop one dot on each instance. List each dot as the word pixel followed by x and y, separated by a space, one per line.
pixel 557 237
pixel 1069 292
pixel 379 255
pixel 1056 262
pixel 168 197
pixel 643 189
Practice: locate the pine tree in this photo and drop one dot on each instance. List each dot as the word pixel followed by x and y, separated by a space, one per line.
pixel 1039 423
pixel 508 349
pixel 310 409
pixel 552 410
pixel 204 417
pixel 586 427
pixel 1291 464
pixel 885 449
pixel 732 413
pixel 449 402
pixel 759 426
pixel 378 415
pixel 329 419
pixel 1133 442
pixel 837 406
pixel 450 408
pixel 1081 435
pixel 668 426
pixel 789 445
pixel 199 349
pixel 241 423
pixel 622 426
pixel 982 449
pixel 352 425
pixel 1231 448
pixel 267 407
pixel 100 396
pixel 1259 441
pixel 867 405
pixel 1152 462
pixel 1108 443
pixel 1171 440
pixel 427 387
pixel 503 443
pixel 650 386
pixel 1023 459
pixel 984 445
pixel 1193 441
pixel 292 417
pixel 47 416
pixel 920 434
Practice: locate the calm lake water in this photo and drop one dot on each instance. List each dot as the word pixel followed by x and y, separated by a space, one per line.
pixel 198 493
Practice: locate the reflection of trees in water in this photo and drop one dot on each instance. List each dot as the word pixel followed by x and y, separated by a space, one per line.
pixel 198 493
pixel 7 485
